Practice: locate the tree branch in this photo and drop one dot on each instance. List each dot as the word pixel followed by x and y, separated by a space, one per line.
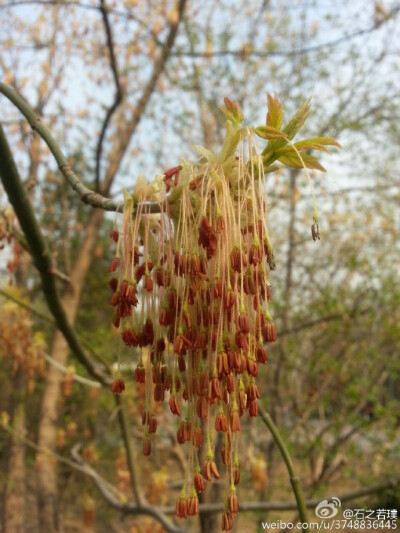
pixel 110 494
pixel 86 195
pixel 118 91
pixel 129 127
pixel 123 423
pixel 220 53
pixel 131 508
pixel 294 480
pixel 42 258
pixel 113 501
pixel 76 377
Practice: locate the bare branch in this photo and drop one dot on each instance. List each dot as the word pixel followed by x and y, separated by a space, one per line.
pixel 114 502
pixel 64 370
pixel 221 53
pixel 131 508
pixel 129 127
pixel 110 495
pixel 118 92
pixel 86 195
pixel 123 424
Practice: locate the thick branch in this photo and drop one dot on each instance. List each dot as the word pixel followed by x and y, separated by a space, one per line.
pixel 42 258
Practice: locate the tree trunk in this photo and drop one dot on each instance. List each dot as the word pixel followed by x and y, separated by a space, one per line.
pixel 46 467
pixel 14 500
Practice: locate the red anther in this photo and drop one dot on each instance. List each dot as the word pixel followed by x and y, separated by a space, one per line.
pixel 172 298
pixel 114 265
pixel 241 341
pixel 226 456
pixel 269 332
pixel 252 392
pixel 159 392
pixel 261 354
pixel 210 469
pixel 236 475
pixel 255 254
pixel 221 423
pixel 152 425
pixel 146 447
pixel 193 506
pixel 172 172
pixel 162 277
pixel 214 391
pixel 113 284
pixel 243 323
pixel 181 507
pixel 174 406
pixel 197 437
pixel 202 407
pixel 252 367
pixel 148 283
pixel 140 374
pixel 196 182
pixel 114 235
pixel 198 482
pixel 118 386
pixel 233 504
pixel 234 421
pixel 227 522
pixel 253 408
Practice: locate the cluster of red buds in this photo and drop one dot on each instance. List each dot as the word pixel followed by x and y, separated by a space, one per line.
pixel 190 289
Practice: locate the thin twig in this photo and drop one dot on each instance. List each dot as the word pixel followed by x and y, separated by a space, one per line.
pixel 123 424
pixel 235 53
pixel 118 92
pixel 294 480
pixel 64 370
pixel 129 127
pixel 60 275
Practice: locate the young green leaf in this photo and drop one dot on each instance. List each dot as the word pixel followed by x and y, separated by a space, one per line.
pixel 297 120
pixel 293 160
pixel 275 112
pixel 269 132
pixel 316 143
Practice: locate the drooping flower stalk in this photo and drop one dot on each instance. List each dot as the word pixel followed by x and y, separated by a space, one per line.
pixel 192 293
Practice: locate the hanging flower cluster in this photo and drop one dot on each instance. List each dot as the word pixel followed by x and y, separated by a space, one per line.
pixel 191 287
